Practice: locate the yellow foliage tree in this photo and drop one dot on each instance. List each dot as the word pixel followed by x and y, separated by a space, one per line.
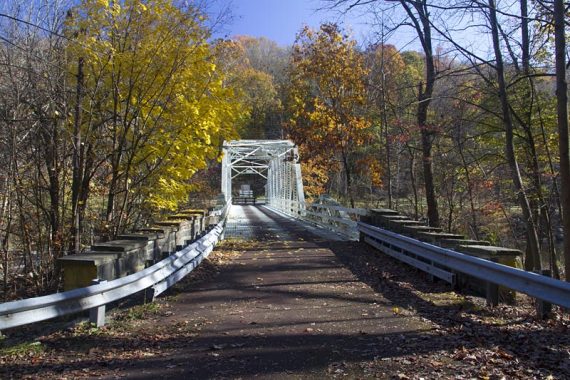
pixel 156 104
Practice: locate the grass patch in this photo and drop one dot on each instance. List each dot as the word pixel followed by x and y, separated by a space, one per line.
pixel 139 312
pixel 22 349
pixel 86 328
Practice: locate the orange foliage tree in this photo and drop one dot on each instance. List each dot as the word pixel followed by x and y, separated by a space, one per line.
pixel 327 99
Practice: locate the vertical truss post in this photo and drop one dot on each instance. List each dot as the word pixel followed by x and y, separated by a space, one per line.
pixel 299 191
pixel 289 188
pixel 226 174
pixel 279 184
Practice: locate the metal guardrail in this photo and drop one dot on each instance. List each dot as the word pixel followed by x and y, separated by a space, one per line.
pixel 159 277
pixel 535 285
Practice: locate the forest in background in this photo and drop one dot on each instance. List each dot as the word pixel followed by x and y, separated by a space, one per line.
pixel 112 112
pixel 469 141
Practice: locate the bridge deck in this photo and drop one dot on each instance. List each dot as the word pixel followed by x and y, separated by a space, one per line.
pixel 285 307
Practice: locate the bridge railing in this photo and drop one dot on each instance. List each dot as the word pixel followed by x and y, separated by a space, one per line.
pixel 158 278
pixel 342 220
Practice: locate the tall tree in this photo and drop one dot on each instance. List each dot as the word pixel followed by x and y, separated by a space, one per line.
pixel 508 124
pixel 562 117
pixel 156 100
pixel 387 70
pixel 419 15
pixel 327 97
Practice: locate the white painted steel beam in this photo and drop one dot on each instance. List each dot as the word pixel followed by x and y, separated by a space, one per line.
pixel 277 161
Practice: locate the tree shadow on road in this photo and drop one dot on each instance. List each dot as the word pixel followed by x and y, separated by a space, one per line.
pixel 463 322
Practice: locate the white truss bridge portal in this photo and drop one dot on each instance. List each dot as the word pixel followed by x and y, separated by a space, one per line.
pixel 275 160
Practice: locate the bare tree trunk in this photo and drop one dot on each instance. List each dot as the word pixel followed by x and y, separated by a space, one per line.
pixel 413 181
pixel 562 113
pixel 547 209
pixel 451 204
pixel 398 176
pixel 119 141
pixel 77 170
pixel 385 120
pixel 474 223
pixel 543 222
pixel 348 176
pixel 6 215
pixel 388 158
pixel 421 23
pixel 533 259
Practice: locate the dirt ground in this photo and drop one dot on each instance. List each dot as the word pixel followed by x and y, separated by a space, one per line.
pixel 280 303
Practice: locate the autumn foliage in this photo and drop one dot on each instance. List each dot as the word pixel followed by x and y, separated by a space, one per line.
pixel 327 99
pixel 121 103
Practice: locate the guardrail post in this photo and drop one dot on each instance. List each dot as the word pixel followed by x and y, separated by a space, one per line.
pixel 543 308
pixel 97 314
pixel 492 290
pixel 492 293
pixel 361 237
pixel 431 277
pixel 459 281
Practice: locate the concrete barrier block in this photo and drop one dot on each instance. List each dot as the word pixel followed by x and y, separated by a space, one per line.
pixel 398 225
pixel 505 256
pixel 199 226
pixel 384 220
pixel 194 211
pixel 436 237
pixel 455 243
pixel 166 242
pixel 413 229
pixel 80 269
pixel 375 214
pixel 132 255
pixel 211 220
pixel 152 251
pixel 194 222
pixel 131 252
pixel 183 231
pixel 382 211
pixel 122 246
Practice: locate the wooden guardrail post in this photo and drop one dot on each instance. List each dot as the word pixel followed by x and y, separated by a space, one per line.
pixel 97 314
pixel 492 289
pixel 543 308
pixel 492 294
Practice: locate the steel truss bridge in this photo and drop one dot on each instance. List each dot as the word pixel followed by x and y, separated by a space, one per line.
pixel 275 160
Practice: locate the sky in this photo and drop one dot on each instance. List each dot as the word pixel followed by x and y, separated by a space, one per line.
pixel 281 20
